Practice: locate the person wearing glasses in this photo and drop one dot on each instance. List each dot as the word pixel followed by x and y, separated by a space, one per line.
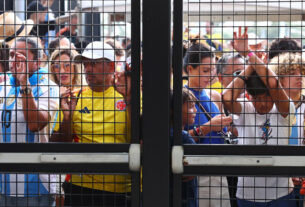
pixel 64 71
pixel 227 65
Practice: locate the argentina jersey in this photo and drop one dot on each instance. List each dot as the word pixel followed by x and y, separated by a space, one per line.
pixel 14 129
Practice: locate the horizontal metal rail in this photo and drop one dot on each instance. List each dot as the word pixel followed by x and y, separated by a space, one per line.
pixel 239 160
pixel 64 158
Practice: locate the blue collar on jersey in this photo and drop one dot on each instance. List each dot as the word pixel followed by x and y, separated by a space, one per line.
pixel 34 79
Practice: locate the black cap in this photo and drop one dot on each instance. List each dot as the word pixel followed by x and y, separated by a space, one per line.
pixel 33 7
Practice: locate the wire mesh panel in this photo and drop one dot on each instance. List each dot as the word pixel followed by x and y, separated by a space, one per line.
pixel 243 84
pixel 66 78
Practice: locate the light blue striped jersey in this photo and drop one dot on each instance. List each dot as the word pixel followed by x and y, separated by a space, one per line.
pixel 14 130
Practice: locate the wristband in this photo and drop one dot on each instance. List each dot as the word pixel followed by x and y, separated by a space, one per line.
pixel 195 131
pixel 250 54
pixel 242 77
pixel 199 132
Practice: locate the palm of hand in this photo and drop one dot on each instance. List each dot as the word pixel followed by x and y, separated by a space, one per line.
pixel 240 42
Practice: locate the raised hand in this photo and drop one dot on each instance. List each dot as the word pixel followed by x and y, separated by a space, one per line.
pixel 240 42
pixel 123 84
pixel 21 69
pixel 67 103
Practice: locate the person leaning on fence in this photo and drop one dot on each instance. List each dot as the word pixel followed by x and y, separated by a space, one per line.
pixel 227 65
pixel 209 125
pixel 264 119
pixel 96 114
pixel 290 67
pixel 28 104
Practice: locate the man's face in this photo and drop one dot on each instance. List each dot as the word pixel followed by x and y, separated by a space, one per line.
pixel 233 65
pixel 99 73
pixel 262 103
pixel 21 48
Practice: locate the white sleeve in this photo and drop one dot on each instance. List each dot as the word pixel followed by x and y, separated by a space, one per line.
pixel 246 108
pixel 289 120
pixel 48 101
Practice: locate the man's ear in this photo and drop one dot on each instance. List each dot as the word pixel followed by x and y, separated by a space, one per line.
pixel 189 68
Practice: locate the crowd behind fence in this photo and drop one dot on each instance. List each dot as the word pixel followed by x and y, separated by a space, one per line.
pixel 56 86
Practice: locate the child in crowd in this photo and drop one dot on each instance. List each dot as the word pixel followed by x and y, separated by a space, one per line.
pixel 189 184
pixel 210 125
pixel 263 119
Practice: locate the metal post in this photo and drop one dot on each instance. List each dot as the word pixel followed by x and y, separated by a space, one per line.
pixel 135 93
pixel 177 108
pixel 156 80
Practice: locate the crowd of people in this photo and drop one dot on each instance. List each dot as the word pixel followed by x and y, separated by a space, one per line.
pixel 246 96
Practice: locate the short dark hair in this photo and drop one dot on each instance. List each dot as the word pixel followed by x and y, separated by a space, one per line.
pixel 195 54
pixel 255 86
pixel 281 45
pixel 35 46
pixel 223 61
pixel 187 96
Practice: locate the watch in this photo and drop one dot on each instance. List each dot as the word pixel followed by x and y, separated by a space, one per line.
pixel 26 91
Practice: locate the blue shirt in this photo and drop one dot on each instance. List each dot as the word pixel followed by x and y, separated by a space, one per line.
pixel 189 188
pixel 201 118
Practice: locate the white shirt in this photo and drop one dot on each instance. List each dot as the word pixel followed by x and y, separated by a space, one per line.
pixel 270 129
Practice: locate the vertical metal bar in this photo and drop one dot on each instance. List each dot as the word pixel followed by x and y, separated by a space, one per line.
pixel 92 32
pixel 177 108
pixel 177 69
pixel 156 91
pixel 135 92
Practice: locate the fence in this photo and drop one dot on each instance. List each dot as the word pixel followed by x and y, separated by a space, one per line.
pixel 113 111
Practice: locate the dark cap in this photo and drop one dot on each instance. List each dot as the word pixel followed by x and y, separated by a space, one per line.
pixel 35 6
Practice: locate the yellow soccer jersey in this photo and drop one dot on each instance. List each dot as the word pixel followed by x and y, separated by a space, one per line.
pixel 101 117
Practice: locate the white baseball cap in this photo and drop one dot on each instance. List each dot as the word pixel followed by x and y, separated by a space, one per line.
pixel 97 50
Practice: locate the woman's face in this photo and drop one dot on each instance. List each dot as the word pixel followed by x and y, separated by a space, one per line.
pixel 188 113
pixel 292 82
pixel 201 76
pixel 63 70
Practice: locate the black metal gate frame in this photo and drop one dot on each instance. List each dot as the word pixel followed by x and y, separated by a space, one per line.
pixel 156 146
pixel 83 149
pixel 214 150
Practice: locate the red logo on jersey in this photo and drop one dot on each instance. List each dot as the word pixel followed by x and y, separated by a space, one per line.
pixel 120 105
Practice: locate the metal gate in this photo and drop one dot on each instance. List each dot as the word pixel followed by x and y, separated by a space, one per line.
pixel 158 163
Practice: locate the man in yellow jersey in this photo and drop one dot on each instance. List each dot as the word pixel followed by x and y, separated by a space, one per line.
pixel 96 114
